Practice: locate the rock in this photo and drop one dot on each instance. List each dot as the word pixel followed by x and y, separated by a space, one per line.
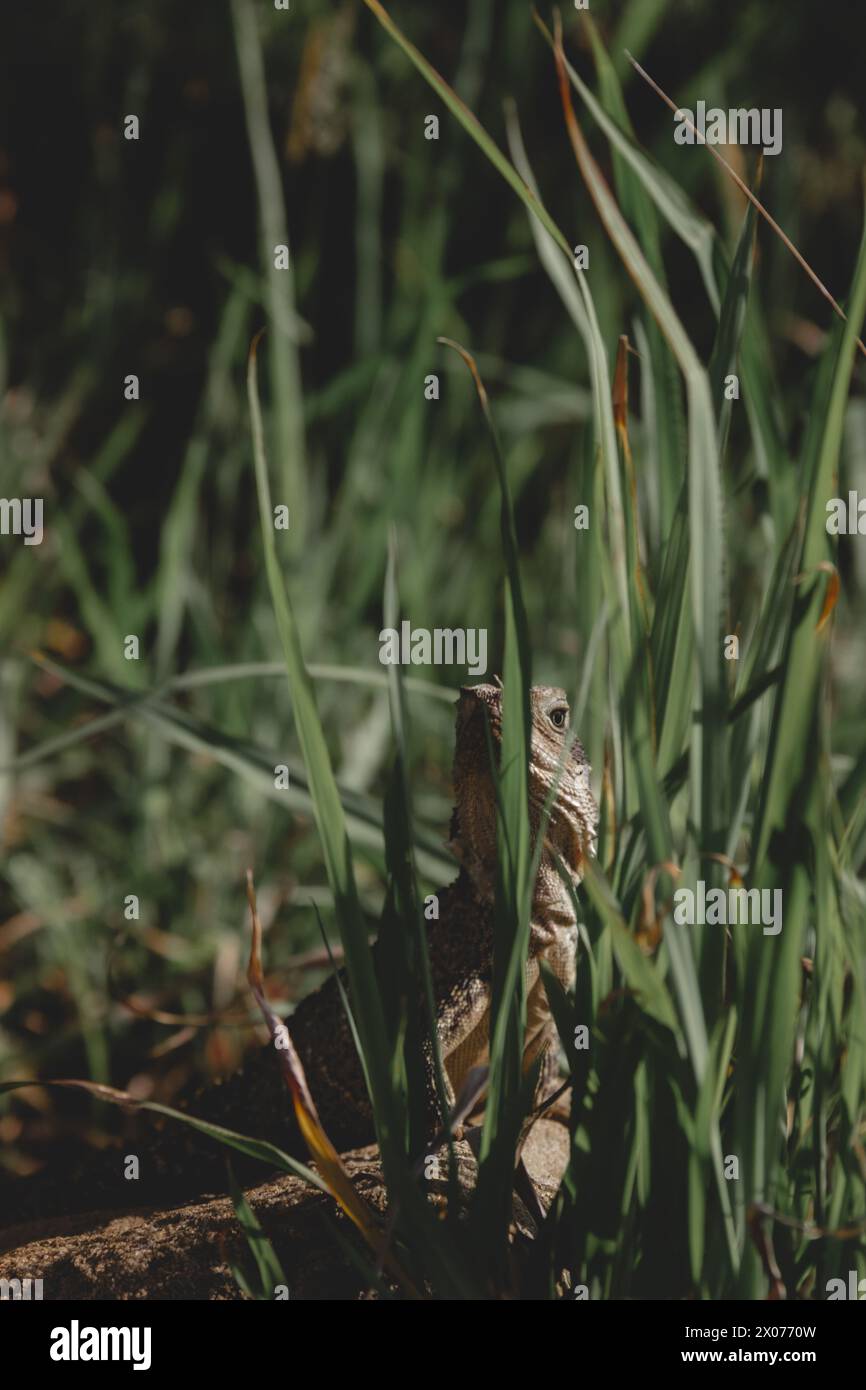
pixel 187 1252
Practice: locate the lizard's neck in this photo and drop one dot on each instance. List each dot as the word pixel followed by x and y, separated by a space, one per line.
pixel 552 908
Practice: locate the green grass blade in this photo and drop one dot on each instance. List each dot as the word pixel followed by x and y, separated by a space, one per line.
pixel 327 807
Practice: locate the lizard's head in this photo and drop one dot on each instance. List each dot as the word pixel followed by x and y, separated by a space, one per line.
pixel 557 758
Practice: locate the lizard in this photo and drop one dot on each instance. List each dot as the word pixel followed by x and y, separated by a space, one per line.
pixel 460 942
pixel 255 1102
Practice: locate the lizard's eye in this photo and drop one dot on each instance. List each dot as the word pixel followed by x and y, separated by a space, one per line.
pixel 559 716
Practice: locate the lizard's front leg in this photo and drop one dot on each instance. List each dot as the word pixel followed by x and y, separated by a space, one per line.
pixel 461 960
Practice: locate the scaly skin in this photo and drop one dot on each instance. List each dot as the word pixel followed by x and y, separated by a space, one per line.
pixel 460 943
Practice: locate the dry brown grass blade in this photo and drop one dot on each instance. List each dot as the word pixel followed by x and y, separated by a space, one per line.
pixel 735 878
pixel 619 399
pixel 650 929
pixel 230 1014
pixel 763 1242
pixel 744 189
pixel 619 393
pixel 479 386
pixel 763 1211
pixel 582 152
pixel 327 1159
pixel 834 585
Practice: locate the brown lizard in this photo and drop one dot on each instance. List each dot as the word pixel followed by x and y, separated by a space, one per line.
pixel 460 943
pixel 460 946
